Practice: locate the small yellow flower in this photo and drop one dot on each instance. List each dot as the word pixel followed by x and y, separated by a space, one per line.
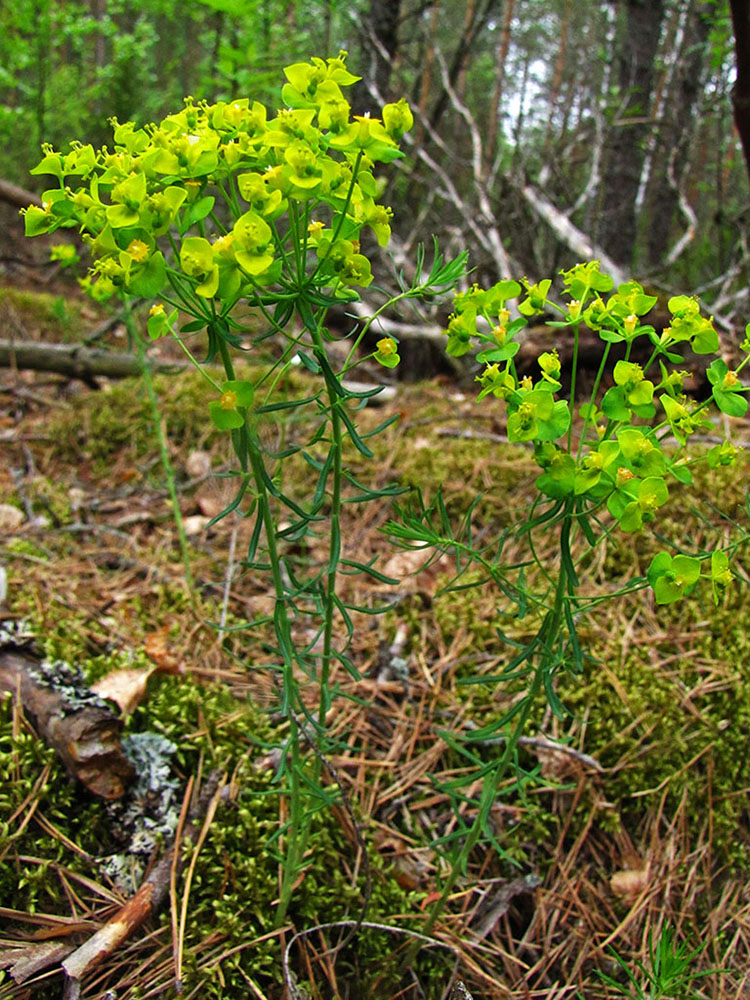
pixel 574 309
pixel 228 400
pixel 624 475
pixel 630 323
pixel 137 250
pixel 315 228
pixel 387 346
pixel 730 379
pixel 157 309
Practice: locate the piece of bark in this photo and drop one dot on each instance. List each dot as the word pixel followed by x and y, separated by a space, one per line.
pixel 27 958
pixel 82 728
pixel 75 360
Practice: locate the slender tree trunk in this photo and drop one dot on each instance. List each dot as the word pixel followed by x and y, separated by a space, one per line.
pixel 426 81
pixel 380 47
pixel 557 78
pixel 502 54
pixel 676 132
pixel 741 93
pixel 638 48
pixel 480 16
pixel 43 40
pixel 462 72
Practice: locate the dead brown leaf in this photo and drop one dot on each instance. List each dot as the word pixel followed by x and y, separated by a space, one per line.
pixel 126 688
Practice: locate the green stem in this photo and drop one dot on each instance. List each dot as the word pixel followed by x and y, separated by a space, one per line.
pixel 548 634
pixel 334 553
pixel 573 372
pixel 194 361
pixel 298 827
pixel 134 333
pixel 592 398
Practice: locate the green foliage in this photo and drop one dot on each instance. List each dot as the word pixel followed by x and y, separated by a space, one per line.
pixel 667 973
pixel 622 460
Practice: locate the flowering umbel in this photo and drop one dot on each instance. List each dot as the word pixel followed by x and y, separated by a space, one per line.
pixel 311 160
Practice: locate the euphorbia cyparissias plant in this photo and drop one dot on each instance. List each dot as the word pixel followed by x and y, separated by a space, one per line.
pixel 229 205
pixel 608 470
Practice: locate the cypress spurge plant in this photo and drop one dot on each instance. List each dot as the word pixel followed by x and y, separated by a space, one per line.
pixel 229 207
pixel 611 470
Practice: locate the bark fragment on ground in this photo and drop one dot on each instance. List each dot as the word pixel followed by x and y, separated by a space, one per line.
pixel 77 724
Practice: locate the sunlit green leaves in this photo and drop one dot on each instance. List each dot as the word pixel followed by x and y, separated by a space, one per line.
pixel 672 577
pixel 726 389
pixel 688 324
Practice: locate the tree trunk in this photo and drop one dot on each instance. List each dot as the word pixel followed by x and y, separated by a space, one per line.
pixel 479 19
pixel 641 31
pixel 676 132
pixel 426 80
pixel 494 118
pixel 741 92
pixel 380 47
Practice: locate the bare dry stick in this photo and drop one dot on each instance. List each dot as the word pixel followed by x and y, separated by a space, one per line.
pixel 144 904
pixel 74 360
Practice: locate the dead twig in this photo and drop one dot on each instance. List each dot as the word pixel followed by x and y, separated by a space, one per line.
pixel 147 900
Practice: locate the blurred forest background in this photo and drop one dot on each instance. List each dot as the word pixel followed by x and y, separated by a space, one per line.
pixel 547 131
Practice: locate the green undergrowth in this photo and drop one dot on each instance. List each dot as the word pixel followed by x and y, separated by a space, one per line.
pixel 234 889
pixel 116 423
pixel 43 315
pixel 665 713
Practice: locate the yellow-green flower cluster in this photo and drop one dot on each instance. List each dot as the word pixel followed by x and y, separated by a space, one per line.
pixel 616 463
pixel 234 188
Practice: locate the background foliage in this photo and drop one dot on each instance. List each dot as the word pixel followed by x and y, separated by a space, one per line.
pixel 547 130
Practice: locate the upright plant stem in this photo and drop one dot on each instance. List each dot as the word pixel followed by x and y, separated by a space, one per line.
pixel 549 633
pixel 135 334
pixel 248 453
pixel 300 819
pixel 334 552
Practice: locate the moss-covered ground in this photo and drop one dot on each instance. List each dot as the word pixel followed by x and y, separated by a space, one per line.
pixel 633 813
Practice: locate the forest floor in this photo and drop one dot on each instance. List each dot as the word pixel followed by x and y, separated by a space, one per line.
pixel 633 825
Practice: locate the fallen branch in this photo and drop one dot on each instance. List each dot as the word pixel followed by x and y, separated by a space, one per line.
pixel 17 195
pixel 81 728
pixel 146 901
pixel 576 241
pixel 75 360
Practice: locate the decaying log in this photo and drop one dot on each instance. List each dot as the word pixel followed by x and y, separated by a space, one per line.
pixel 74 360
pixel 82 728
